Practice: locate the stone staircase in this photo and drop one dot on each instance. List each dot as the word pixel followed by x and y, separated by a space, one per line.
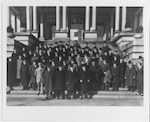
pixel 122 93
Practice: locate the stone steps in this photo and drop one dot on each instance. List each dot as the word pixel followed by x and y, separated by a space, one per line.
pixel 122 93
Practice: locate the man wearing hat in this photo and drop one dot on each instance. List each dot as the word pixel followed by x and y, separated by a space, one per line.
pixel 105 48
pixel 122 69
pixel 130 76
pixel 115 76
pixel 71 78
pixel 92 83
pixel 53 69
pixel 84 79
pixel 25 75
pixel 10 74
pixel 60 81
pixel 48 82
pixel 76 44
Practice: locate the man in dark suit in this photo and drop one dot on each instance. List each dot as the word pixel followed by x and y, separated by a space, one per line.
pixel 115 76
pixel 71 78
pixel 84 79
pixel 105 48
pixel 60 81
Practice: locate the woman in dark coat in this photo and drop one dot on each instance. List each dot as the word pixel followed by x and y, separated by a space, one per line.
pixel 60 81
pixel 10 74
pixel 71 78
pixel 32 74
pixel 92 85
pixel 139 78
pixel 122 69
pixel 130 77
pixel 65 68
pixel 115 76
pixel 84 79
pixel 25 75
pixel 48 83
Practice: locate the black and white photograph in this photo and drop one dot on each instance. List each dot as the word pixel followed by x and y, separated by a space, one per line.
pixel 75 56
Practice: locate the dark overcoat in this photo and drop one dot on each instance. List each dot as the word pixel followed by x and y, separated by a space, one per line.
pixel 24 75
pixel 59 79
pixel 71 79
pixel 53 68
pixel 14 57
pixel 32 73
pixel 106 72
pixel 10 73
pixel 139 79
pixel 92 69
pixel 122 69
pixel 130 76
pixel 84 76
pixel 115 74
pixel 48 81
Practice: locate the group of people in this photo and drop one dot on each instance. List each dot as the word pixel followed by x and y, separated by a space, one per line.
pixel 71 71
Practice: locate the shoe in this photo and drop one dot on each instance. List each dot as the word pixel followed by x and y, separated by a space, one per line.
pixel 38 93
pixel 137 94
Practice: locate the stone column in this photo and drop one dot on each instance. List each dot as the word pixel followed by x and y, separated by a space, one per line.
pixel 94 18
pixel 87 13
pixel 64 18
pixel 41 24
pixel 18 23
pixel 123 17
pixel 34 18
pixel 112 24
pixel 27 18
pixel 57 18
pixel 117 18
pixel 13 21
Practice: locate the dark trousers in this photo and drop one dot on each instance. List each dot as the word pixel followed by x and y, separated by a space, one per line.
pixel 18 81
pixel 83 93
pixel 105 86
pixel 70 92
pixel 25 87
pixel 33 86
pixel 122 83
pixel 115 86
pixel 131 88
pixel 59 93
pixel 140 87
pixel 48 95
